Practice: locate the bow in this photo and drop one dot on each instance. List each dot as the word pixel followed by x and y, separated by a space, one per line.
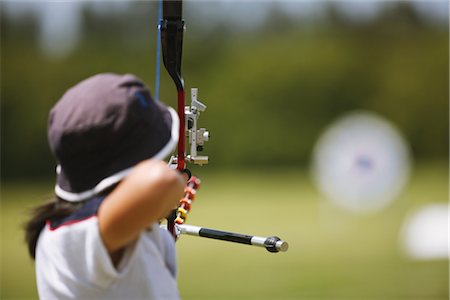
pixel 171 29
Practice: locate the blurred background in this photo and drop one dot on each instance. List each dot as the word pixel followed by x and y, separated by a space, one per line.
pixel 275 75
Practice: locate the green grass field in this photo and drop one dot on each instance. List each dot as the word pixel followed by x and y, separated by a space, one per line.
pixel 333 254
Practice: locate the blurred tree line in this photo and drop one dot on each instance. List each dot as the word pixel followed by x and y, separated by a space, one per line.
pixel 270 90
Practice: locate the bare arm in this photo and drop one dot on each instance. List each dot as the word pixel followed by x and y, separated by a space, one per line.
pixel 146 195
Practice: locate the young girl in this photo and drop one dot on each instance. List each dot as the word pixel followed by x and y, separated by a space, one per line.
pixel 99 238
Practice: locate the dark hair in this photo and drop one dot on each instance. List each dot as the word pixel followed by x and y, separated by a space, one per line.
pixel 56 208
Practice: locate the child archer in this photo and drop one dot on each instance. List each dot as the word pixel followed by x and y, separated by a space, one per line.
pixel 99 238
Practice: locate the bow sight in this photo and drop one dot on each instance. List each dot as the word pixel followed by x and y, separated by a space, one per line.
pixel 196 137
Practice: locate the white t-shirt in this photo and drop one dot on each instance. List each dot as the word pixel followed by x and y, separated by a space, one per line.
pixel 73 263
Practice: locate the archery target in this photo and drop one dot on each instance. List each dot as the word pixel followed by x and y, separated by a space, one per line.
pixel 361 162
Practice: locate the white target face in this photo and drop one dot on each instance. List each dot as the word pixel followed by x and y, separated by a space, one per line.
pixel 425 233
pixel 361 162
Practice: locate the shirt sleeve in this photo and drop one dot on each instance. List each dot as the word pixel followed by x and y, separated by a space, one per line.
pixel 99 267
pixel 88 256
pixel 99 261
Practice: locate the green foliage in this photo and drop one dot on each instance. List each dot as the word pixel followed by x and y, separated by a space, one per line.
pixel 270 91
